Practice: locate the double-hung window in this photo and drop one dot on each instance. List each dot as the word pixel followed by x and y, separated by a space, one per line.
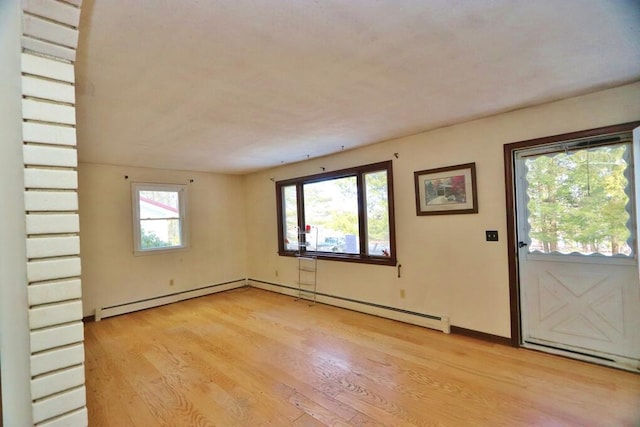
pixel 159 217
pixel 349 213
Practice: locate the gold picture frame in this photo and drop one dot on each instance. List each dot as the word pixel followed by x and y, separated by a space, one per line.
pixel 447 190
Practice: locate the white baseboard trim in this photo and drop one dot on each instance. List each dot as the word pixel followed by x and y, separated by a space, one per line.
pixel 440 323
pixel 104 312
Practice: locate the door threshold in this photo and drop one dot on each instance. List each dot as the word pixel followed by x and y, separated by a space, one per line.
pixel 593 356
pixel 618 362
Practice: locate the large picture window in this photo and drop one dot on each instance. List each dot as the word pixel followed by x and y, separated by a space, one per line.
pixel 159 217
pixel 350 212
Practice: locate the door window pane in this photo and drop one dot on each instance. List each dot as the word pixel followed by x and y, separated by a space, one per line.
pixel 578 201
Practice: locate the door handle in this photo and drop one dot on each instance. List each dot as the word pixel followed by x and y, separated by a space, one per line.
pixel 522 244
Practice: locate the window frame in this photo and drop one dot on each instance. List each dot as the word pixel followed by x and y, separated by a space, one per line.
pixel 181 189
pixel 359 172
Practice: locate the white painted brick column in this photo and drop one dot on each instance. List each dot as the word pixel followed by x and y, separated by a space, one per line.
pixel 49 42
pixel 14 322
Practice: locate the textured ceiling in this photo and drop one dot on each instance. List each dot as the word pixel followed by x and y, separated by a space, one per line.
pixel 235 86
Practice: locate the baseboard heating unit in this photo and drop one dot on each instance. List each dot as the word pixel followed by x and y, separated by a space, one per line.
pixel 129 307
pixel 440 323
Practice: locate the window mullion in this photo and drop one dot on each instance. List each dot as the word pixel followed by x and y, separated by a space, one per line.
pixel 362 217
pixel 302 238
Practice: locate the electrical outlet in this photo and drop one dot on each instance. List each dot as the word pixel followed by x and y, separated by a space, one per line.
pixel 170 282
pixel 492 235
pixel 402 293
pixel 276 273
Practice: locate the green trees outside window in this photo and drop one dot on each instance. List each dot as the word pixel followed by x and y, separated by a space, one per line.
pixel 578 201
pixel 351 210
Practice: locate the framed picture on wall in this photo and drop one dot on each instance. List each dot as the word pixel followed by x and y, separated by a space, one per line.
pixel 448 190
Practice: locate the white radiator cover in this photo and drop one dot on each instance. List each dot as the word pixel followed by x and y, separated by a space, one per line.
pixel 129 307
pixel 440 323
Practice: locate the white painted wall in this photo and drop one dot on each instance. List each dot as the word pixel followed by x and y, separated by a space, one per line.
pixel 112 274
pixel 14 327
pixel 447 266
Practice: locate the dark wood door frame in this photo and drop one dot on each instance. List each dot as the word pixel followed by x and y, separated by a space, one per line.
pixel 512 245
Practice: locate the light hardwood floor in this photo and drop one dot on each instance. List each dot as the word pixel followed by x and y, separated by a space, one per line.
pixel 250 357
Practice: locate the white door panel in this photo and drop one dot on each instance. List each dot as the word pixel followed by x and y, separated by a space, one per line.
pixel 579 297
pixel 588 306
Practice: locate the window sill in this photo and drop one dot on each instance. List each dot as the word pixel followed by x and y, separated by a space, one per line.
pixel 160 251
pixel 386 261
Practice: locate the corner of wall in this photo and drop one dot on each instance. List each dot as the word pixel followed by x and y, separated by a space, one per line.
pixel 50 300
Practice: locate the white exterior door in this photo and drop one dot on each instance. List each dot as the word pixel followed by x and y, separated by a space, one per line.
pixel 577 257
